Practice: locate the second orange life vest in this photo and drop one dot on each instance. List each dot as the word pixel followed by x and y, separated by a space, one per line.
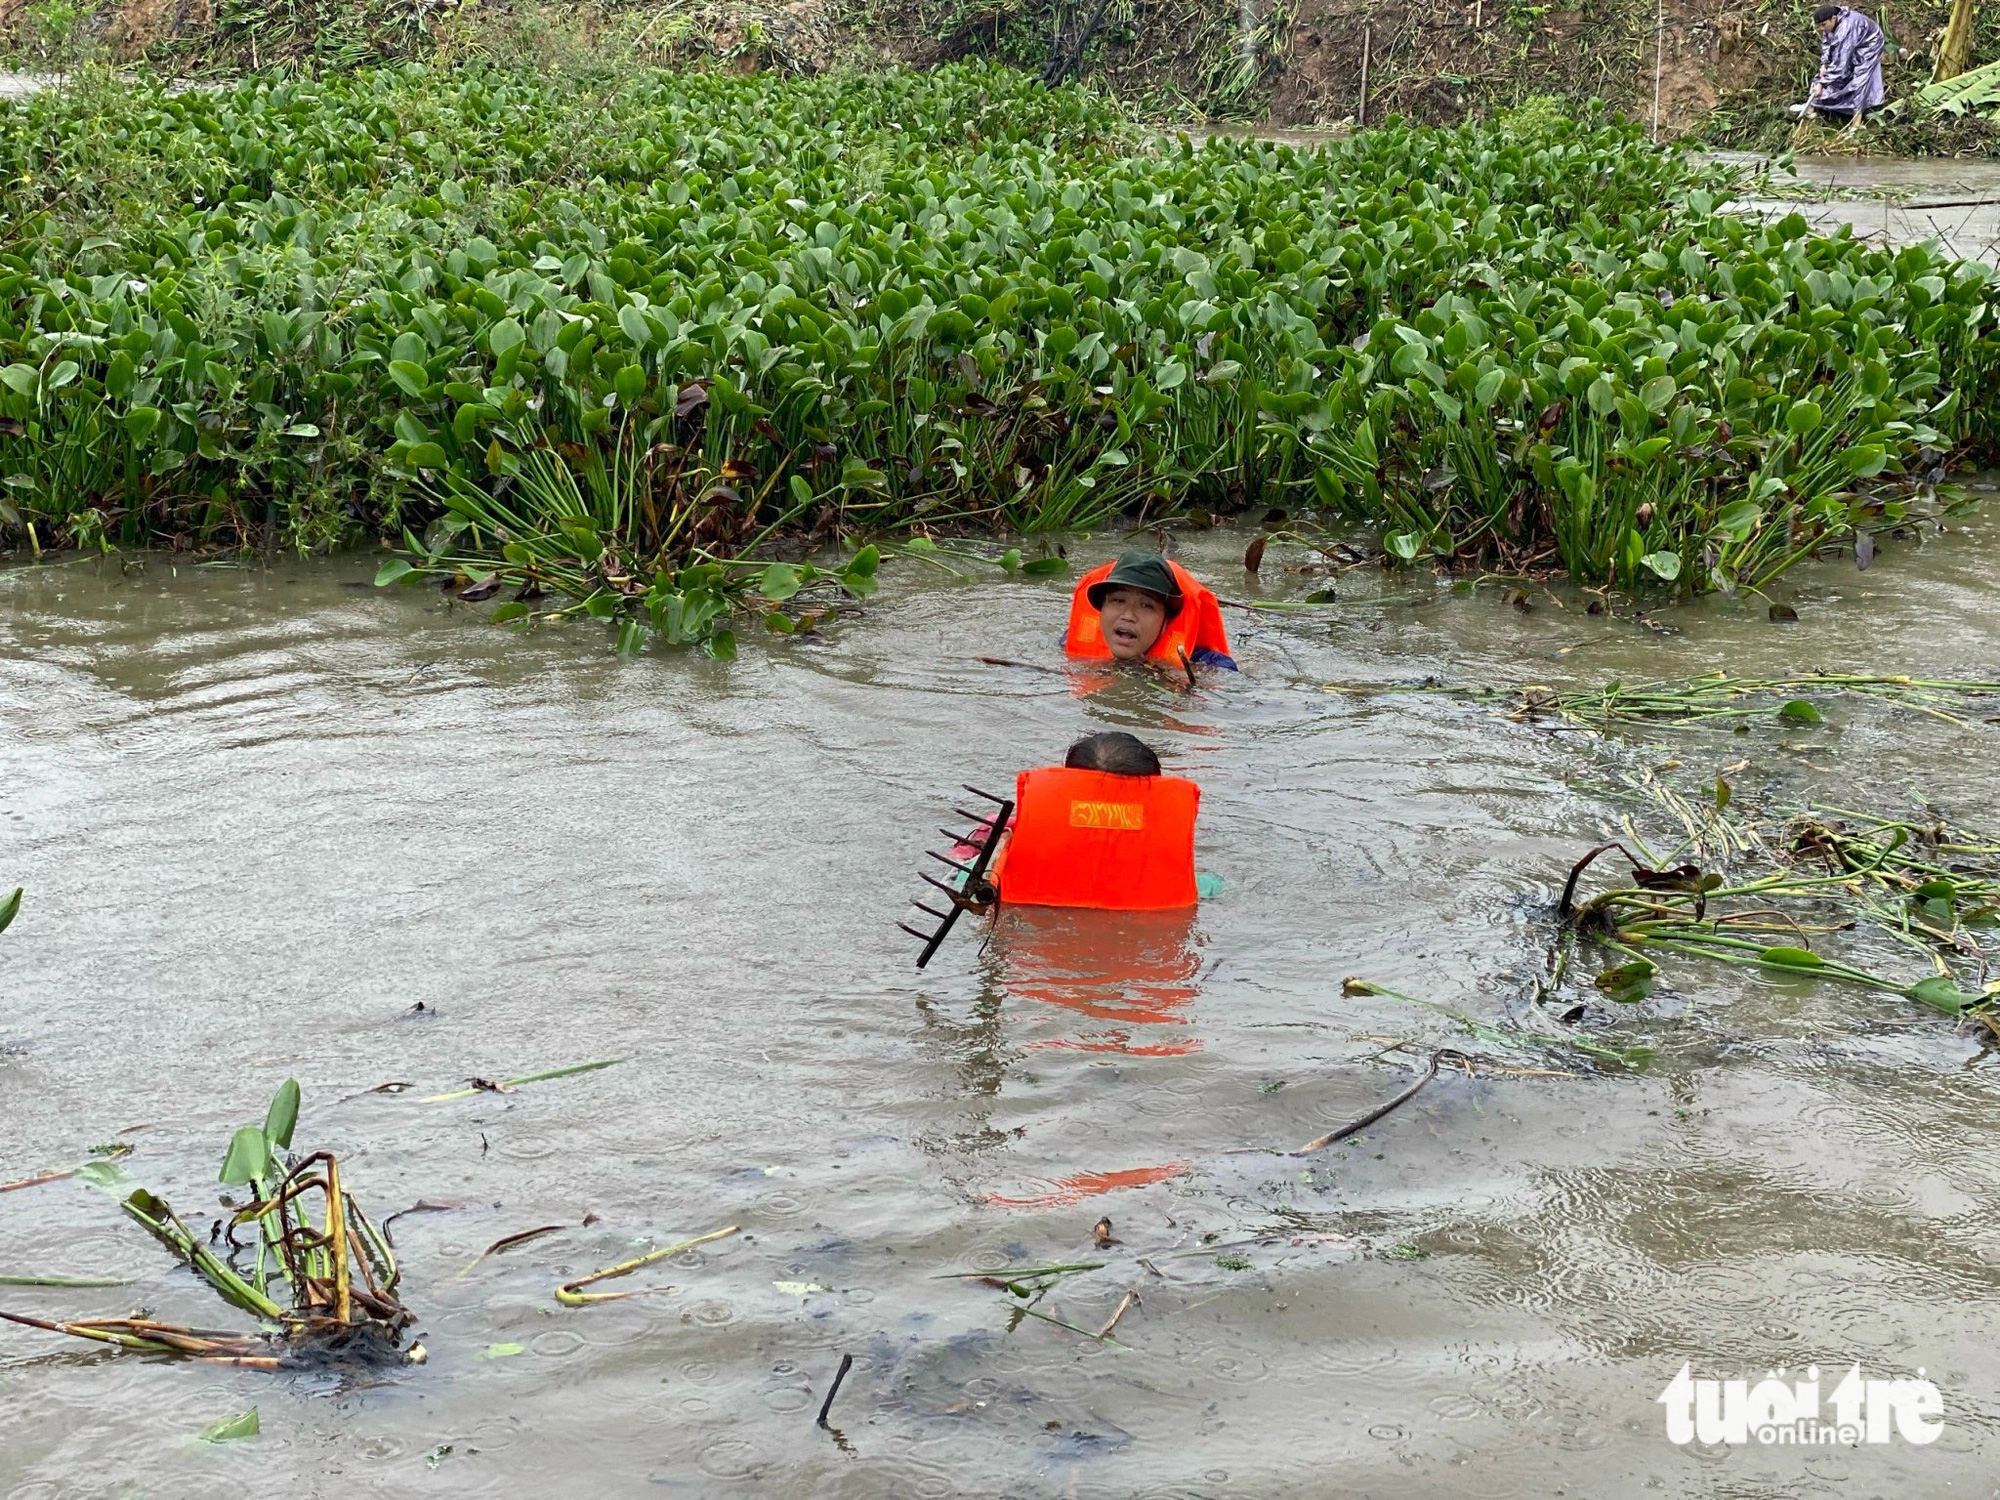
pixel 1088 838
pixel 1198 624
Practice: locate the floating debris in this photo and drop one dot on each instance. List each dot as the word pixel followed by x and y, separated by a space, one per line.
pixel 571 1293
pixel 1708 701
pixel 338 1269
pixel 507 1242
pixel 1824 870
pixel 1130 1299
pixel 1029 1284
pixel 1509 1036
pixel 66 1281
pixel 846 1364
pixel 1355 1127
pixel 230 1429
pixel 508 1085
pixel 102 1155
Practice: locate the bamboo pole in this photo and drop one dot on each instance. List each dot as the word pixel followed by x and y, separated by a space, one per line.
pixel 1361 110
pixel 1659 60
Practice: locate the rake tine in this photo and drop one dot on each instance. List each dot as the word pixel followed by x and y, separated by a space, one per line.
pixel 965 838
pixel 932 910
pixel 922 937
pixel 951 891
pixel 975 874
pixel 936 939
pixel 975 816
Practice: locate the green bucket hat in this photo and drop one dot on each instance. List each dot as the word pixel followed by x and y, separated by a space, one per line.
pixel 1138 569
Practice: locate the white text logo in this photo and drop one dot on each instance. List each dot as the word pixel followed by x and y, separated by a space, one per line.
pixel 1773 1411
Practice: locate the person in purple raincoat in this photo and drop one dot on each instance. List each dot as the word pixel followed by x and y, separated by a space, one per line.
pixel 1849 83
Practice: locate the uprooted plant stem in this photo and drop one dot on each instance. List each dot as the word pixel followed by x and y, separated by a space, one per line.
pixel 111 1152
pixel 335 1270
pixel 1511 1037
pixel 1029 1284
pixel 508 1085
pixel 572 1293
pixel 1355 1127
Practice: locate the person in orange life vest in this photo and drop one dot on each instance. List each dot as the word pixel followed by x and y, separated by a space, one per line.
pixel 1113 752
pixel 1133 964
pixel 1105 829
pixel 1145 608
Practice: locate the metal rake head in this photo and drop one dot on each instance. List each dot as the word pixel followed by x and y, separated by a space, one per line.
pixel 972 892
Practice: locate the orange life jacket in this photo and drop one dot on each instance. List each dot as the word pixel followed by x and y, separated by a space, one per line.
pixel 1198 624
pixel 1088 838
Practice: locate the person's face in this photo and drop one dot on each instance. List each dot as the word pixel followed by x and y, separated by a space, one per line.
pixel 1826 27
pixel 1132 621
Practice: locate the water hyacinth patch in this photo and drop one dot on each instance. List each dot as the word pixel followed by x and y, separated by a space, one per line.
pixel 609 349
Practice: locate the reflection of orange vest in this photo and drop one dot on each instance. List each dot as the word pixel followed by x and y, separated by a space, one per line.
pixel 1135 968
pixel 1198 624
pixel 1088 838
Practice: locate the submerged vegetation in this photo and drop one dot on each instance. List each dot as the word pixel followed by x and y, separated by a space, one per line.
pixel 1804 890
pixel 1800 877
pixel 611 343
pixel 1717 700
pixel 1794 888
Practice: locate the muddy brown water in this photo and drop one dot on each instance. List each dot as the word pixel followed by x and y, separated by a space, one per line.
pixel 263 812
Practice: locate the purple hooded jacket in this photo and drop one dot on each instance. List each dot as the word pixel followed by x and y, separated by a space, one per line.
pixel 1850 64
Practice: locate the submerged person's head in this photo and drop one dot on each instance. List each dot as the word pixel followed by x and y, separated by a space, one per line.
pixel 1115 752
pixel 1134 602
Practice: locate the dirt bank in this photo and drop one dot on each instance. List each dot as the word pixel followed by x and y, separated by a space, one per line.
pixel 1723 68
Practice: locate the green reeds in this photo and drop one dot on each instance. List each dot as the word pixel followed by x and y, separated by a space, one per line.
pixel 1717 699
pixel 157 1219
pixel 1512 1037
pixel 507 1085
